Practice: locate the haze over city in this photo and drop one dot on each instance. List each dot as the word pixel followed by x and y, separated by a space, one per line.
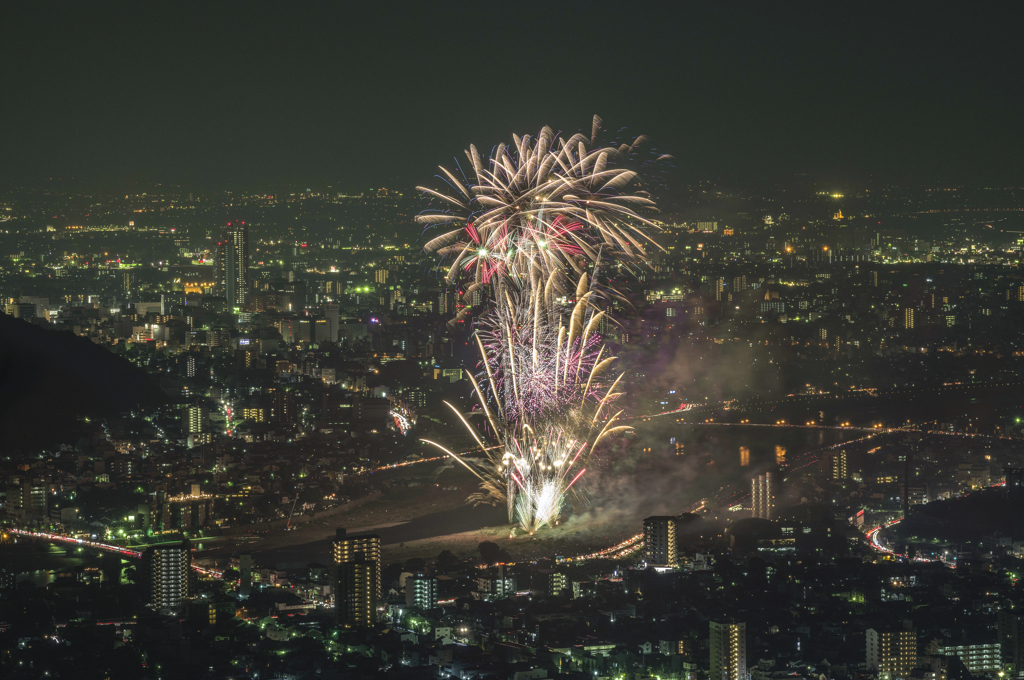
pixel 511 341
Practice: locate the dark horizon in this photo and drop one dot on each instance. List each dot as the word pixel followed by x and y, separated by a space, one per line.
pixel 260 94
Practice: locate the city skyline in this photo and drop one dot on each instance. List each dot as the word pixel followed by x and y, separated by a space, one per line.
pixel 703 361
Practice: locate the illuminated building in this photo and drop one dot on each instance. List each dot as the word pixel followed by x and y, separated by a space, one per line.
pixel 248 358
pixel 719 288
pixel 672 647
pixel 21 310
pixel 839 465
pixel 762 494
pixel 421 591
pixel 908 318
pixel 728 645
pixel 232 264
pixel 660 541
pixel 254 413
pixel 196 419
pixel 184 511
pixel 500 587
pixel 26 500
pixel 979 658
pixel 892 652
pixel 169 571
pixel 557 582
pixel 357 585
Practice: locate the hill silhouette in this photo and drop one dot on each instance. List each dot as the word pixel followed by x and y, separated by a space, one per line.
pixel 49 379
pixel 967 518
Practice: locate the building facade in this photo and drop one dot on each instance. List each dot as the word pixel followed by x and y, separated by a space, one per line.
pixel 233 264
pixel 728 646
pixel 357 583
pixel 421 591
pixel 660 541
pixel 762 495
pixel 168 570
pixel 891 652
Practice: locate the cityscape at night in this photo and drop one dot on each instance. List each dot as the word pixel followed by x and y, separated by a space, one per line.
pixel 511 342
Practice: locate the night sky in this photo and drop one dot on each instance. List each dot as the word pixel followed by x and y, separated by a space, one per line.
pixel 363 94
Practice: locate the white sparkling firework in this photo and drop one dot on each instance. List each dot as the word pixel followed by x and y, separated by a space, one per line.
pixel 545 436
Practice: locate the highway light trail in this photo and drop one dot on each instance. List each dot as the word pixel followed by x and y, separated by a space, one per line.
pixel 107 547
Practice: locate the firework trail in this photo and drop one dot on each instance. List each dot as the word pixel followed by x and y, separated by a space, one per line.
pixel 548 405
pixel 541 359
pixel 536 217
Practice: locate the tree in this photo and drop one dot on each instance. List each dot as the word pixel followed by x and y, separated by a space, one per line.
pixel 415 565
pixel 447 561
pixel 491 552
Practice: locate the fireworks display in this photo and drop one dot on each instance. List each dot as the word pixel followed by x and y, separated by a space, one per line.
pixel 550 407
pixel 544 205
pixel 530 225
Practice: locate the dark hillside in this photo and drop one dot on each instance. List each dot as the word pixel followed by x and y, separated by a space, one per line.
pixel 49 379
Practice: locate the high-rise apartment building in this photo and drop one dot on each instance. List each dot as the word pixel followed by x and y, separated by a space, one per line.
pixel 891 651
pixel 196 419
pixel 168 573
pixel 556 583
pixel 660 541
pixel 357 582
pixel 839 465
pixel 232 264
pixel 908 318
pixel 728 645
pixel 762 495
pixel 421 591
pixel 1011 637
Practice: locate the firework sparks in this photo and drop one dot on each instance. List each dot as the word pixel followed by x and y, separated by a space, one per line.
pixel 531 222
pixel 542 358
pixel 543 204
pixel 549 409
